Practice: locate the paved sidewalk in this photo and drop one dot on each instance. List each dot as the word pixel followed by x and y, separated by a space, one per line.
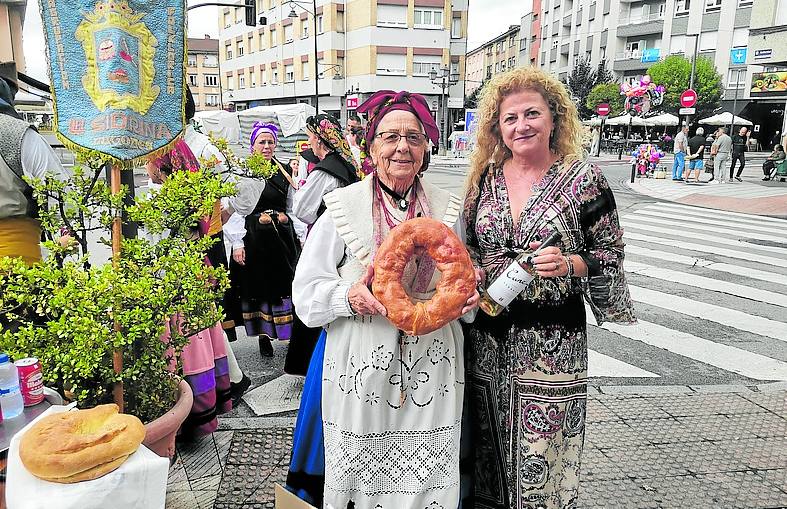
pixel 645 447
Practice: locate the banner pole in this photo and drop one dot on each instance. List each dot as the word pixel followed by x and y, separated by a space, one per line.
pixel 117 237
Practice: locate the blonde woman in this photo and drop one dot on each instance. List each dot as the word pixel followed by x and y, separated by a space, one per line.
pixel 527 368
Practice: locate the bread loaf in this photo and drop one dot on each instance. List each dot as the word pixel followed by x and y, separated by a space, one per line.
pixel 80 445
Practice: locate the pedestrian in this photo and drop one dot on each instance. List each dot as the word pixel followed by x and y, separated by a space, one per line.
pixel 23 153
pixel 205 363
pixel 391 403
pixel 773 160
pixel 721 150
pixel 527 368
pixel 203 149
pixel 740 143
pixel 696 152
pixel 595 139
pixel 679 149
pixel 776 140
pixel 353 134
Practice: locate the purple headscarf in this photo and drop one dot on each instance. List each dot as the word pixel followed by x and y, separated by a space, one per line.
pixel 262 127
pixel 386 101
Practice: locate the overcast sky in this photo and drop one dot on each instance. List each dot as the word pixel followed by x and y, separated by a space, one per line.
pixel 487 18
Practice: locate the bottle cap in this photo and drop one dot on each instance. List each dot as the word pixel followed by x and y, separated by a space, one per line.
pixel 3 357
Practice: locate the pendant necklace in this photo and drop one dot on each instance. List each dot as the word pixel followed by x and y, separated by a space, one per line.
pixel 401 199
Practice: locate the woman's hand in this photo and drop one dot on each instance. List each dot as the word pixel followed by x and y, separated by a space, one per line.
pixel 472 302
pixel 361 299
pixel 239 255
pixel 550 262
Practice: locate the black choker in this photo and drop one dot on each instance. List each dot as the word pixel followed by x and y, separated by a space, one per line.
pixel 401 201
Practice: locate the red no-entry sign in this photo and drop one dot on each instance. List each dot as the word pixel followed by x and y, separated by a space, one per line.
pixel 688 98
pixel 603 109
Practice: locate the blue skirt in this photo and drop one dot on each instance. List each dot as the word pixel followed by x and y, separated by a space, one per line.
pixel 306 477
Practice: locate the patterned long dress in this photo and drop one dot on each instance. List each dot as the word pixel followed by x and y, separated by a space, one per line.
pixel 527 368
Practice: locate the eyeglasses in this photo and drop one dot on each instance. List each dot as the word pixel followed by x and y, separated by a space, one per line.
pixel 413 139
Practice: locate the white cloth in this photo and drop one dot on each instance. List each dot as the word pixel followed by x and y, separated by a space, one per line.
pixel 141 481
pixel 38 158
pixel 234 231
pixel 309 197
pixel 391 406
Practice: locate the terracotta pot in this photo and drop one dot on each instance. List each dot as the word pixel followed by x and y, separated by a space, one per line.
pixel 160 433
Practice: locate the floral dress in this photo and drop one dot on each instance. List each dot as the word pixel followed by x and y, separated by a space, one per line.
pixel 527 368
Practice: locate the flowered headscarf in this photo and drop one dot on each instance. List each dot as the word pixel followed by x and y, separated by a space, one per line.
pixel 385 101
pixel 329 131
pixel 179 157
pixel 263 127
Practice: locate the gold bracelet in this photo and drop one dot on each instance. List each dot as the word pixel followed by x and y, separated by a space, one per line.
pixel 569 265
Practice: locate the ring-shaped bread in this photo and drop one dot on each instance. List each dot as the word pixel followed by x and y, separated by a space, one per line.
pixel 456 285
pixel 80 445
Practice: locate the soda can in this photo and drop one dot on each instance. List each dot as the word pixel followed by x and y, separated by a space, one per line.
pixel 31 380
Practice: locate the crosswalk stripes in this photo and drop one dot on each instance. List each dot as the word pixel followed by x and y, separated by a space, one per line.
pixel 710 287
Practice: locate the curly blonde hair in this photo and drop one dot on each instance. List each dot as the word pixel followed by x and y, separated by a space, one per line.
pixel 565 141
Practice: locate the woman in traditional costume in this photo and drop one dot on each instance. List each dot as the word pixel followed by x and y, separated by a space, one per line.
pixel 204 358
pixel 527 368
pixel 391 403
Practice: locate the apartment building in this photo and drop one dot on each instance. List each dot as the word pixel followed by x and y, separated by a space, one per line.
pixel 359 47
pixel 494 56
pixel 530 33
pixel 12 19
pixel 202 73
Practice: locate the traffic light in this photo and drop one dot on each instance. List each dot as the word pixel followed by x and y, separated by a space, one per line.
pixel 251 12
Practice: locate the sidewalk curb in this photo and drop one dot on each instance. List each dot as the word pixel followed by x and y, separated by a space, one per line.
pixel 652 390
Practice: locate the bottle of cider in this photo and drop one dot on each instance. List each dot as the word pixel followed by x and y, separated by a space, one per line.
pixel 513 280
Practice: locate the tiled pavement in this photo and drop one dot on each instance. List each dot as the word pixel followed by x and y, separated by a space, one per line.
pixel 666 447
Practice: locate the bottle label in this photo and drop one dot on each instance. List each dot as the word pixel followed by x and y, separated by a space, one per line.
pixel 509 284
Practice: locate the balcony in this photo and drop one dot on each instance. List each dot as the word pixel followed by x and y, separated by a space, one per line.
pixel 633 26
pixel 629 61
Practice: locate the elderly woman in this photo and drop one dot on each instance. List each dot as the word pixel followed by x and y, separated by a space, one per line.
pixel 336 167
pixel 265 251
pixel 527 367
pixel 391 403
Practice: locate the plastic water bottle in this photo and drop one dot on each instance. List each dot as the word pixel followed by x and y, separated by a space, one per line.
pixel 10 396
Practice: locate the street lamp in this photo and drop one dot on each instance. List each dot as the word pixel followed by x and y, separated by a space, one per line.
pixel 313 12
pixel 443 78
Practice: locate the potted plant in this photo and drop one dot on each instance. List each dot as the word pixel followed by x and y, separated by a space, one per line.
pixel 80 313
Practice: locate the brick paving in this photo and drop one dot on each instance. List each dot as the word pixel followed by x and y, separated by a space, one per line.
pixel 670 447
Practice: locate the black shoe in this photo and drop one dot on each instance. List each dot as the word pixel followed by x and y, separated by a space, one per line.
pixel 266 347
pixel 766 178
pixel 739 179
pixel 239 389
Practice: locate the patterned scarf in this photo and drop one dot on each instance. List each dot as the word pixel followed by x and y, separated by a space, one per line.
pixel 384 102
pixel 329 131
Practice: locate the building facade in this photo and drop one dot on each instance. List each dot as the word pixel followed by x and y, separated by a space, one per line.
pixel 360 47
pixel 494 56
pixel 12 19
pixel 202 73
pixel 530 33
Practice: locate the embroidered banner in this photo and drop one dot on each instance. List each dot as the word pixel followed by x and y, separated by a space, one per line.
pixel 117 73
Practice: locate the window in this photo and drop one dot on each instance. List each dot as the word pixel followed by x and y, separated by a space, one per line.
pixel 497 66
pixel 275 77
pixel 589 55
pixel 499 47
pixel 304 29
pixel 230 82
pixel 712 5
pixel 252 79
pixel 740 37
pixel 289 73
pixel 305 66
pixel 211 80
pixel 242 82
pixel 455 68
pixel 211 100
pixel 240 49
pixel 288 33
pixel 210 61
pixel 274 38
pixel 503 66
pixel 522 44
pixel 709 41
pixel 736 78
pixel 228 53
pixel 781 14
pixel 262 41
pixel 192 60
pixel 511 62
pixel 192 80
pixel 427 18
pixel 456 28
pixel 240 16
pixel 319 24
pixel 511 41
pixel 422 64
pixel 488 71
pixel 682 7
pixel 677 44
pixel 391 65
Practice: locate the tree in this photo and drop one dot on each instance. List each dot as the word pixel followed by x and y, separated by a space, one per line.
pixel 606 93
pixel 580 82
pixel 471 101
pixel 674 72
pixel 604 75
